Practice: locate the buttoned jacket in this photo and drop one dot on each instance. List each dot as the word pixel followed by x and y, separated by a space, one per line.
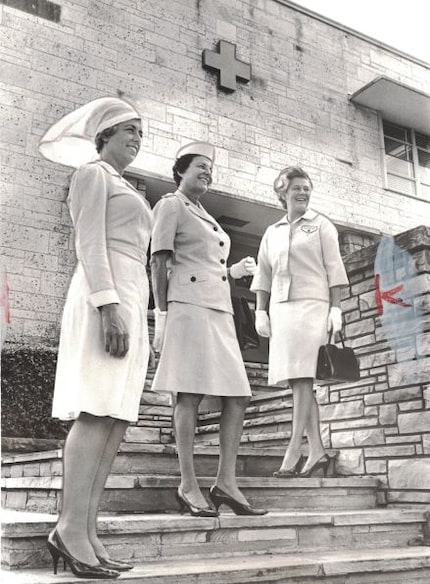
pixel 197 266
pixel 107 214
pixel 300 260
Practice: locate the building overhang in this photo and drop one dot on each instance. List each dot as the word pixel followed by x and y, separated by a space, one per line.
pixel 397 102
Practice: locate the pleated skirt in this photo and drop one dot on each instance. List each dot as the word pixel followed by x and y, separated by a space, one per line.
pixel 298 329
pixel 200 354
pixel 87 378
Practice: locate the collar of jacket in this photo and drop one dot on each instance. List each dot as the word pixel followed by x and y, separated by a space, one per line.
pixel 309 215
pixel 108 168
pixel 196 208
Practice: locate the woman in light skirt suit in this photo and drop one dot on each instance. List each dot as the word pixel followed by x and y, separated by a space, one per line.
pixel 301 270
pixel 194 328
pixel 104 348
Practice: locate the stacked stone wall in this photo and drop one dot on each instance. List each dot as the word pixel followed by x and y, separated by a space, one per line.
pixel 381 424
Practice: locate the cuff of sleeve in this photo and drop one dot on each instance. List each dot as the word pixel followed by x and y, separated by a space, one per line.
pixel 104 297
pixel 257 285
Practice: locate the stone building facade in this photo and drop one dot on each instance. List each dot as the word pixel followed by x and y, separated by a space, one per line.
pixel 295 109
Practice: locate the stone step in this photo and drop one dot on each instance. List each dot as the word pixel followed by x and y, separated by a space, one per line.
pixel 137 493
pixel 255 440
pixel 369 566
pixel 277 422
pixel 137 458
pixel 253 411
pixel 141 538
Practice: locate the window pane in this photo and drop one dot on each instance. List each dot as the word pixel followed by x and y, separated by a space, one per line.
pixel 399 158
pixel 402 185
pixel 425 191
pixel 422 141
pixel 397 132
pixel 424 162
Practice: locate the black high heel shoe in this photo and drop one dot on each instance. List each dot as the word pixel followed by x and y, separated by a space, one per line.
pixel 219 497
pixel 289 472
pixel 322 463
pixel 185 505
pixel 112 564
pixel 58 550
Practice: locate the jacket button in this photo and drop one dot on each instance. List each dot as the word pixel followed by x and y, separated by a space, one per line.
pixel 224 278
pixel 215 228
pixel 221 243
pixel 222 261
pixel 193 278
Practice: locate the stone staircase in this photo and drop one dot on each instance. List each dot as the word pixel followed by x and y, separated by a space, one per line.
pixel 318 530
pixel 334 530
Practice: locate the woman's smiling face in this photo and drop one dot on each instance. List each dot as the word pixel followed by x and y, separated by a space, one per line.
pixel 297 196
pixel 124 145
pixel 198 175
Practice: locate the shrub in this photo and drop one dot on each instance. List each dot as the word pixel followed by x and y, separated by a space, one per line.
pixel 28 380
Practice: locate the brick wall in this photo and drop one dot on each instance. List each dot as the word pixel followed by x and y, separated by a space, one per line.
pixel 381 424
pixel 295 109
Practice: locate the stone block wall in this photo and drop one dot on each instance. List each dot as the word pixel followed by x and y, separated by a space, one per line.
pixel 296 109
pixel 381 424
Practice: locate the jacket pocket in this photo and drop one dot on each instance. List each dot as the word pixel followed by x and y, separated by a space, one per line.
pixel 189 278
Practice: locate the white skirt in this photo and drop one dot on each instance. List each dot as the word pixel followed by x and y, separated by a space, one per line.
pixel 200 354
pixel 298 329
pixel 88 379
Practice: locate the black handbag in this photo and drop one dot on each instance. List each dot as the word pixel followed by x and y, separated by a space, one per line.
pixel 244 324
pixel 337 364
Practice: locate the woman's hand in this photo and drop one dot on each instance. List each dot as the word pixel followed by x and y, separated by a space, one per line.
pixel 246 267
pixel 114 330
pixel 334 321
pixel 160 329
pixel 262 323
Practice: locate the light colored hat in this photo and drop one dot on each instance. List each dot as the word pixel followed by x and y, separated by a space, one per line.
pixel 71 140
pixel 199 148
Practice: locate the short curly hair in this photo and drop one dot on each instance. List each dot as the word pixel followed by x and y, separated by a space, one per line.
pixel 181 166
pixel 102 137
pixel 282 182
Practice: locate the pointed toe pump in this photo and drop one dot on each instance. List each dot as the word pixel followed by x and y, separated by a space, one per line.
pixel 289 472
pixel 58 550
pixel 322 463
pixel 220 497
pixel 117 565
pixel 185 505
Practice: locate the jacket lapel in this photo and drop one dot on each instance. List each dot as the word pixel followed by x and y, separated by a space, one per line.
pixel 197 209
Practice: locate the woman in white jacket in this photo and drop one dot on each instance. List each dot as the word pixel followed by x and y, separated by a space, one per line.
pixel 104 346
pixel 300 268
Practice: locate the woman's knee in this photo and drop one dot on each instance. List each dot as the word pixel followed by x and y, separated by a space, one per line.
pixel 237 401
pixel 189 400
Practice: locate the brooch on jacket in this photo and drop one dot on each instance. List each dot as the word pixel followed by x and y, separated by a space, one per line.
pixel 308 229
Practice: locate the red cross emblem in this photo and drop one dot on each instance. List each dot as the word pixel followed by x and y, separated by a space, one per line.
pixel 387 295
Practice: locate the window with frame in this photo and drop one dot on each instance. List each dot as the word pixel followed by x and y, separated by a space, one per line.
pixel 407 160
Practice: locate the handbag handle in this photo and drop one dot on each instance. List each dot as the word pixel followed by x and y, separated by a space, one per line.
pixel 340 335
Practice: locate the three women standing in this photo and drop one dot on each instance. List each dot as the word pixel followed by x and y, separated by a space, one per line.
pixel 194 329
pixel 104 348
pixel 301 270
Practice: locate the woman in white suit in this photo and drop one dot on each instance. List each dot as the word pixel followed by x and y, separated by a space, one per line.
pixel 194 329
pixel 301 271
pixel 104 347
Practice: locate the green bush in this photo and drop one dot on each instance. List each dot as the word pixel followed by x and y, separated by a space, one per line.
pixel 28 375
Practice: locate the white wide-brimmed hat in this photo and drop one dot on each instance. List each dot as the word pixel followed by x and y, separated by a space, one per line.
pixel 199 148
pixel 71 140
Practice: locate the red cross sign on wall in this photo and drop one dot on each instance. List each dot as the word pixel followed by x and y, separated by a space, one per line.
pixel 227 65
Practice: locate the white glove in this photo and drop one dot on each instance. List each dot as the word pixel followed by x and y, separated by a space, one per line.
pixel 246 267
pixel 160 328
pixel 334 321
pixel 262 323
